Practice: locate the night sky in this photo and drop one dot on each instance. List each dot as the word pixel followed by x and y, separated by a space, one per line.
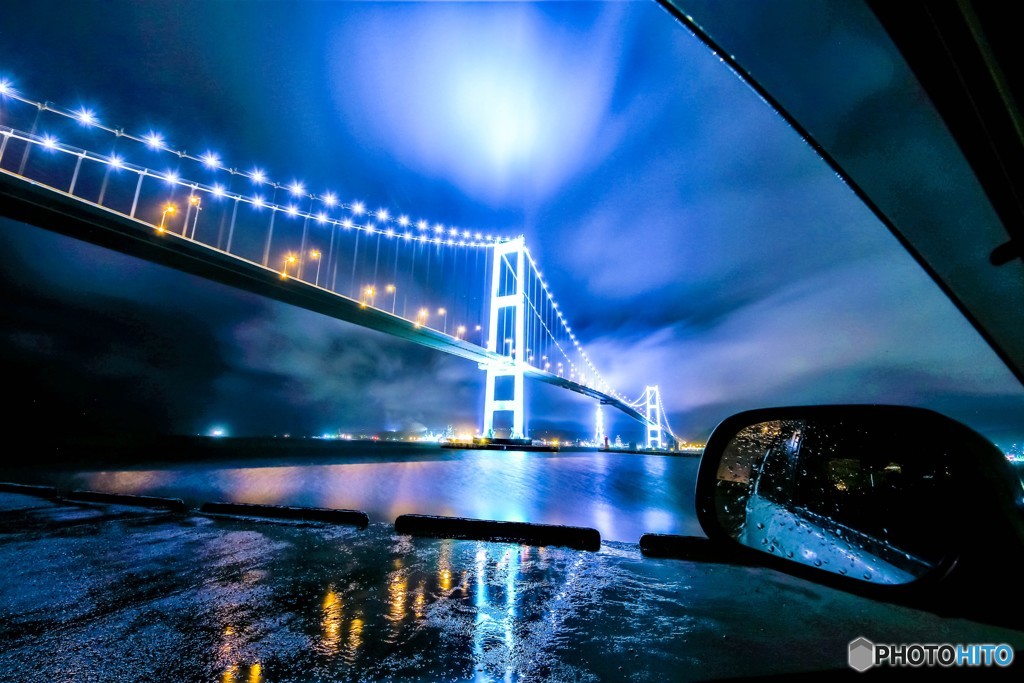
pixel 694 241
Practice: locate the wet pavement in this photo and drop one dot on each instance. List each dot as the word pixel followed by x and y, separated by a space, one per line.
pixel 94 592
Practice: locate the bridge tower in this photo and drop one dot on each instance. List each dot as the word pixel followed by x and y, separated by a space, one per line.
pixel 507 331
pixel 652 403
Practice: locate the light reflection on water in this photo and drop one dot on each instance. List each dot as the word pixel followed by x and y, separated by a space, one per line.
pixel 410 609
pixel 489 597
pixel 621 495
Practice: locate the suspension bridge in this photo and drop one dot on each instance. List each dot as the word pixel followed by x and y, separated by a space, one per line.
pixel 478 296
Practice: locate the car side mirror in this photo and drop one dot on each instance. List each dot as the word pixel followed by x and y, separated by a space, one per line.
pixel 892 501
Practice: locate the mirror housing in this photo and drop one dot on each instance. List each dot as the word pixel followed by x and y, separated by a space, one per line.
pixel 897 503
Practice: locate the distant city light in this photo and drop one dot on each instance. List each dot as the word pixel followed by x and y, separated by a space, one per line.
pixel 422 225
pixel 382 214
pixel 258 176
pixel 211 160
pixel 321 217
pixel 257 201
pixel 116 161
pixel 49 142
pixel 296 188
pixel 403 221
pixel 153 140
pixel 293 210
pixel 218 432
pixel 347 223
pixel 218 190
pixel 5 87
pixel 358 208
pixel 171 176
pixel 330 199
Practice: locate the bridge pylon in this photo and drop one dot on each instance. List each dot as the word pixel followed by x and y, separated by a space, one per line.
pixel 506 334
pixel 652 405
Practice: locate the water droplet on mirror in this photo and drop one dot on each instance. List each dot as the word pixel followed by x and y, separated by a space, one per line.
pixel 760 525
pixel 867 576
pixel 842 570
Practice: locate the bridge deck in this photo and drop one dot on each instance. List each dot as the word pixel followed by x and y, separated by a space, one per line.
pixel 30 202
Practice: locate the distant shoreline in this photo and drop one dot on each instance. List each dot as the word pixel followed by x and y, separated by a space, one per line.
pixel 104 452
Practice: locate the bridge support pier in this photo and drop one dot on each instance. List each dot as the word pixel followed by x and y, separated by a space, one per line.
pixel 506 334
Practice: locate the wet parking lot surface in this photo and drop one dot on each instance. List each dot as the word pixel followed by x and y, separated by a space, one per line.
pixel 93 592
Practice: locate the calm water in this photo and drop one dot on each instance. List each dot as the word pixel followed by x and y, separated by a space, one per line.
pixel 621 495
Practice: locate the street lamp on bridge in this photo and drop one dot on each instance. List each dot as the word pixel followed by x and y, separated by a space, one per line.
pixel 168 209
pixel 289 260
pixel 393 291
pixel 421 317
pixel 368 295
pixel 459 331
pixel 193 203
pixel 443 312
pixel 315 255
